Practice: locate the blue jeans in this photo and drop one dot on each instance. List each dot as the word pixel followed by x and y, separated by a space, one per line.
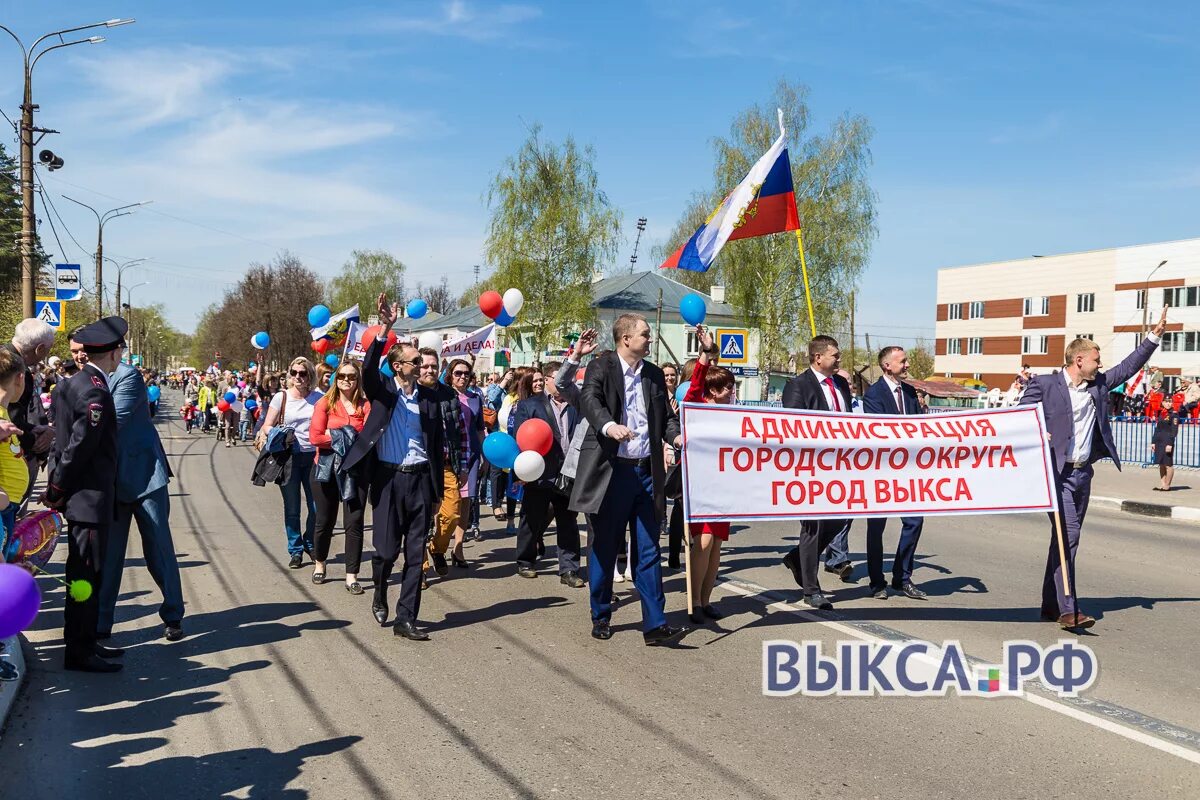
pixel 838 551
pixel 153 513
pixel 302 465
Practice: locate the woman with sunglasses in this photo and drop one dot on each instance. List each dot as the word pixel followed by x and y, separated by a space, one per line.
pixel 470 407
pixel 294 408
pixel 344 404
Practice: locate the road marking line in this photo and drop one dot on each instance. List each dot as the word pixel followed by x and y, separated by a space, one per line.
pixel 764 595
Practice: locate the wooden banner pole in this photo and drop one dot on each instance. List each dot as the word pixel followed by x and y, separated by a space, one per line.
pixel 812 324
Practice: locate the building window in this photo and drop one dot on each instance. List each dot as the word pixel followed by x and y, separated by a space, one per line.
pixel 1141 298
pixel 1036 306
pixel 978 376
pixel 1033 345
pixel 975 346
pixel 954 347
pixel 1181 342
pixel 693 344
pixel 954 311
pixel 976 310
pixel 1182 297
pixel 1085 303
pixel 1085 336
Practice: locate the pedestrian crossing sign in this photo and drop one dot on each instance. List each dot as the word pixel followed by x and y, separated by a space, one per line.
pixel 50 311
pixel 731 344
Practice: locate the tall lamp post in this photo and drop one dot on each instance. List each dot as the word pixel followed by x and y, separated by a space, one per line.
pixel 135 342
pixel 31 55
pixel 101 220
pixel 1146 299
pixel 120 273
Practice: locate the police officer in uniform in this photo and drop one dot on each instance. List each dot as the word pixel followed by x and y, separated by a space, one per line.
pixel 82 484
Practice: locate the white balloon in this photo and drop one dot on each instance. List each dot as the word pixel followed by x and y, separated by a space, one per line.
pixel 529 465
pixel 513 301
pixel 431 339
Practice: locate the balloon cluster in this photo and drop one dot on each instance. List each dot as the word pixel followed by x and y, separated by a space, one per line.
pixel 503 310
pixel 525 454
pixel 327 345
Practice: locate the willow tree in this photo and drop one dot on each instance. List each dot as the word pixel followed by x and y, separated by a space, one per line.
pixel 837 217
pixel 363 277
pixel 551 227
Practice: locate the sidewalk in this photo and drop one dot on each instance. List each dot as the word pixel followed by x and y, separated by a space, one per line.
pixel 12 675
pixel 1132 490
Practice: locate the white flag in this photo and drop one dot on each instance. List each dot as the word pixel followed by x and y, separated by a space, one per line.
pixel 473 343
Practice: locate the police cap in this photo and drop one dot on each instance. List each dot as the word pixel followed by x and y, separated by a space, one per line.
pixel 100 337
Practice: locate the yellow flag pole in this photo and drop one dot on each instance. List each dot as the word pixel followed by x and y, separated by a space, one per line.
pixel 812 324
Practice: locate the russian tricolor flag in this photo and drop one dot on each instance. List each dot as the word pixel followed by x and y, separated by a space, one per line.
pixel 764 202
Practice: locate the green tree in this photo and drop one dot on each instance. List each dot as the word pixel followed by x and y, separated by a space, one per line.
pixel 837 216
pixel 10 248
pixel 551 226
pixel 364 276
pixel 920 361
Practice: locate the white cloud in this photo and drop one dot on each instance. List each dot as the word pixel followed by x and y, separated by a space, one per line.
pixel 461 19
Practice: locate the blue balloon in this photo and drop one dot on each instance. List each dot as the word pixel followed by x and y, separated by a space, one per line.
pixel 230 397
pixel 251 404
pixel 261 342
pixel 682 390
pixel 318 315
pixel 386 368
pixel 692 309
pixel 417 308
pixel 332 360
pixel 504 319
pixel 153 393
pixel 500 449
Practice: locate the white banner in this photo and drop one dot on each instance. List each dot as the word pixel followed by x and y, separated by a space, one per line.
pixel 742 463
pixel 354 349
pixel 473 343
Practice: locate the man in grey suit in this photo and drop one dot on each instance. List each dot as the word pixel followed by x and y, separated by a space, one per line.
pixel 1075 403
pixel 142 493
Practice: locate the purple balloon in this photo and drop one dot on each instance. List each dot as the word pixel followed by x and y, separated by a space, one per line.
pixel 19 600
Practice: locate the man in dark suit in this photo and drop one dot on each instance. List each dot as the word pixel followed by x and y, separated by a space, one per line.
pixel 82 484
pixel 400 454
pixel 818 388
pixel 1075 404
pixel 621 473
pixel 541 496
pixel 891 395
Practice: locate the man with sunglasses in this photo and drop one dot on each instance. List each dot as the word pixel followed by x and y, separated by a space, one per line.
pixel 401 449
pixel 446 517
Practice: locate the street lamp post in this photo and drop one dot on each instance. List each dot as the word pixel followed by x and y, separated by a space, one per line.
pixel 121 272
pixel 1146 299
pixel 31 55
pixel 101 219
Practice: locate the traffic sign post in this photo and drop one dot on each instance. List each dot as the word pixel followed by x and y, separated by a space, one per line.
pixel 731 345
pixel 50 311
pixel 67 282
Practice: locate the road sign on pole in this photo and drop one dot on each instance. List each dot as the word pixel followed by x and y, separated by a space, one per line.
pixel 67 282
pixel 732 345
pixel 50 311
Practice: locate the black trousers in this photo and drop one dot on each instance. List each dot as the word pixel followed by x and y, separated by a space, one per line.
pixel 815 536
pixel 402 515
pixel 327 499
pixel 85 543
pixel 675 534
pixel 539 503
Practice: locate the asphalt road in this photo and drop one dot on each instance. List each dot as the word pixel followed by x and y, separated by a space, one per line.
pixel 283 689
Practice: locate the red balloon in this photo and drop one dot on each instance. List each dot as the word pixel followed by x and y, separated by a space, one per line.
pixel 321 345
pixel 223 406
pixel 535 434
pixel 369 336
pixel 491 304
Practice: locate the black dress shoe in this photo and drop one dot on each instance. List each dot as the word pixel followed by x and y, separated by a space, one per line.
pixel 296 562
pixel 439 563
pixel 791 562
pixel 818 601
pixel 380 612
pixel 526 572
pixel 843 570
pixel 711 612
pixel 663 635
pixel 600 630
pixel 879 592
pixel 108 652
pixel 90 663
pixel 409 630
pixel 173 632
pixel 572 579
pixel 908 589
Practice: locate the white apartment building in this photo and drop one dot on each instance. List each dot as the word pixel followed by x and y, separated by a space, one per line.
pixel 993 318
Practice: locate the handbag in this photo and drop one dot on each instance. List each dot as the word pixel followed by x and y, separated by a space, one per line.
pixel 673 486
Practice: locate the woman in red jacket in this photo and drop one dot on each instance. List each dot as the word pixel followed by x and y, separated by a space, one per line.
pixel 709 384
pixel 343 404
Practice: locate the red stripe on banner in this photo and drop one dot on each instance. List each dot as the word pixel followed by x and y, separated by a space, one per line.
pixel 774 214
pixel 673 261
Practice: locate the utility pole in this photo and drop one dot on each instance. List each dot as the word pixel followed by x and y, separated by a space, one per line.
pixel 641 226
pixel 31 56
pixel 658 327
pixel 852 339
pixel 1146 300
pixel 101 219
pixel 476 268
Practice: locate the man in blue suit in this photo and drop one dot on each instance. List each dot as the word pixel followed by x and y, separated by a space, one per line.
pixel 1075 403
pixel 891 395
pixel 142 476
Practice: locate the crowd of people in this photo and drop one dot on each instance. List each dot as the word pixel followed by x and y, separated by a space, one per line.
pixel 403 432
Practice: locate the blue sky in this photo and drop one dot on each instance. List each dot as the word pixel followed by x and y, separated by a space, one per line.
pixel 1002 129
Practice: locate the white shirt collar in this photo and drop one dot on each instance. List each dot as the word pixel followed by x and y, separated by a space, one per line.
pixel 631 369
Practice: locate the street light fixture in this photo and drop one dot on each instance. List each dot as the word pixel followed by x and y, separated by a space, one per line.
pixel 1146 299
pixel 121 272
pixel 30 56
pixel 101 219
